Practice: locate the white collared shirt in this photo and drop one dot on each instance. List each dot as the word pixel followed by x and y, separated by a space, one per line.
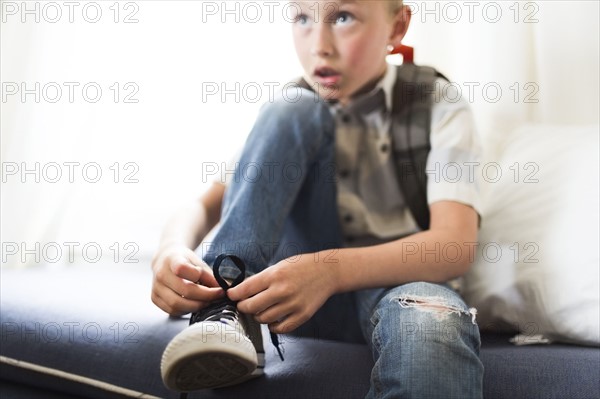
pixel 370 203
pixel 371 206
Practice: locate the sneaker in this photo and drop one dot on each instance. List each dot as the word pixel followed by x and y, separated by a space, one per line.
pixel 221 347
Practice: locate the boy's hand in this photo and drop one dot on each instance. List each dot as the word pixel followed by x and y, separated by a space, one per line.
pixel 182 282
pixel 287 294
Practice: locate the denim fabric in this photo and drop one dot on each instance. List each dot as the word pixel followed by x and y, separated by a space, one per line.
pixel 282 201
pixel 284 181
pixel 424 341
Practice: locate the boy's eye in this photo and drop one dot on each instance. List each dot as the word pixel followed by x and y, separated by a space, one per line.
pixel 301 19
pixel 343 18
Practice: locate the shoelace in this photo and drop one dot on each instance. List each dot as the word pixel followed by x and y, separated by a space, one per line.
pixel 225 309
pixel 242 268
pixel 217 311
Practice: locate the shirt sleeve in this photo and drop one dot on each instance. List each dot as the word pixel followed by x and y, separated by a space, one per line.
pixel 453 164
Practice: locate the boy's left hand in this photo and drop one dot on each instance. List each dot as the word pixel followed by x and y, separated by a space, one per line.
pixel 287 294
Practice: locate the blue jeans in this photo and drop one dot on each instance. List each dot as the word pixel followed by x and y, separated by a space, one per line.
pixel 282 202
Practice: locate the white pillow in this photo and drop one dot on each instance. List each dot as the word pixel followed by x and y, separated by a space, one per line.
pixel 540 270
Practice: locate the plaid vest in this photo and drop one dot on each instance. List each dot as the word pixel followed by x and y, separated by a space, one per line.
pixel 412 103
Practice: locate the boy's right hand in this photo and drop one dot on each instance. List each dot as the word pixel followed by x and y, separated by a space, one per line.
pixel 182 283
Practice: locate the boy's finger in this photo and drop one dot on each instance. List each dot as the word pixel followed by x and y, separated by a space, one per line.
pixel 286 326
pixel 175 305
pixel 196 261
pixel 200 293
pixel 256 304
pixel 182 268
pixel 206 277
pixel 249 287
pixel 184 285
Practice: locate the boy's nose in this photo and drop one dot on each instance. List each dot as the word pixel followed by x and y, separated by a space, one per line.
pixel 322 45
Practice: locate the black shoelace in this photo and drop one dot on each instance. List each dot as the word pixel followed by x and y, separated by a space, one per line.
pixel 225 309
pixel 241 277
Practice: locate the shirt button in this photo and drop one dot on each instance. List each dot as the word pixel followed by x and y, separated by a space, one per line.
pixel 384 148
pixel 344 174
pixel 349 239
pixel 348 218
pixel 346 118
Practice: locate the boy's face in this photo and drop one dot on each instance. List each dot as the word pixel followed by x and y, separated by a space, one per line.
pixel 342 44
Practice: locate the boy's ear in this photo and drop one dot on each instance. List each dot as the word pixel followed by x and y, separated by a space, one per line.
pixel 400 25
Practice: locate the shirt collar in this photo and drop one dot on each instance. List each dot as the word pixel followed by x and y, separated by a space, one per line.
pixel 386 83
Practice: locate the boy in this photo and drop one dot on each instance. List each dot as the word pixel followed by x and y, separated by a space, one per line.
pixel 363 231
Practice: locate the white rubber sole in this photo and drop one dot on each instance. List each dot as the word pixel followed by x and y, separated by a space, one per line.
pixel 208 354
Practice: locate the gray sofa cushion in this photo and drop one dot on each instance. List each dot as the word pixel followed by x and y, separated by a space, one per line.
pixel 13 390
pixel 541 371
pixel 92 331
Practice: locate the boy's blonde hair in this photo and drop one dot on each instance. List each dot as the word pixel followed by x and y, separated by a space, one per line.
pixel 394 6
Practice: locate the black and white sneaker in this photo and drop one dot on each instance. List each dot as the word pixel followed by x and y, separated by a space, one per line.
pixel 220 347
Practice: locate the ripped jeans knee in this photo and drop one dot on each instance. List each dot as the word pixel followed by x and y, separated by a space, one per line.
pixel 425 342
pixel 418 312
pixel 438 306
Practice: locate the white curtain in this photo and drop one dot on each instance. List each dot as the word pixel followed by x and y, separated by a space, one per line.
pixel 180 89
pixel 543 55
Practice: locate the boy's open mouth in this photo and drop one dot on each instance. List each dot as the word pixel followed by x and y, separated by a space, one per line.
pixel 327 76
pixel 325 72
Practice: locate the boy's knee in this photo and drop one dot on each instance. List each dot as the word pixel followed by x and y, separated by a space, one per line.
pixel 425 312
pixel 428 297
pixel 298 105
